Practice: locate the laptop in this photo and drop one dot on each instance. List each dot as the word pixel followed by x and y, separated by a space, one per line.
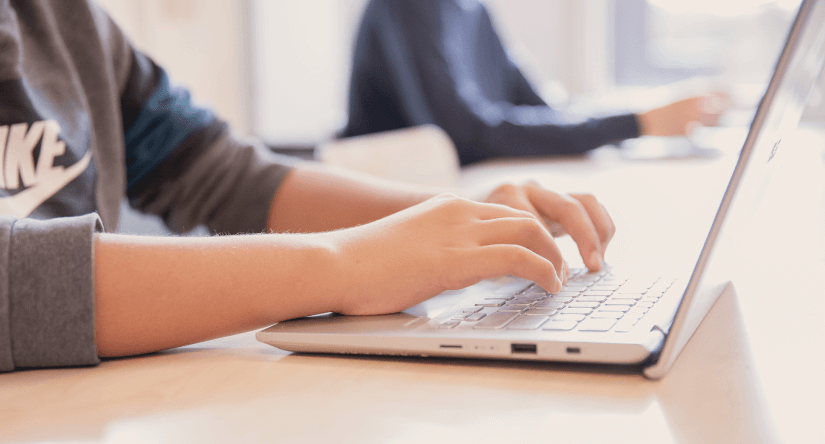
pixel 610 317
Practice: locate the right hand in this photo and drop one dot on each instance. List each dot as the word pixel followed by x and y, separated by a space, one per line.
pixel 681 117
pixel 444 243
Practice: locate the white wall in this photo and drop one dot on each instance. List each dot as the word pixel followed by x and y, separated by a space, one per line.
pixel 203 44
pixel 301 52
pixel 280 68
pixel 563 42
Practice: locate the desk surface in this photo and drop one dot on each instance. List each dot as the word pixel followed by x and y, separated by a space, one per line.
pixel 752 372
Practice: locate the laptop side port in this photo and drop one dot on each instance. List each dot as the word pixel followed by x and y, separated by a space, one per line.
pixel 574 350
pixel 450 346
pixel 523 348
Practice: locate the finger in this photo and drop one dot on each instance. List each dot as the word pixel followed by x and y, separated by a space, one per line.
pixel 478 210
pixel 511 196
pixel 500 260
pixel 599 216
pixel 488 211
pixel 515 197
pixel 554 227
pixel 571 214
pixel 611 226
pixel 526 232
pixel 566 272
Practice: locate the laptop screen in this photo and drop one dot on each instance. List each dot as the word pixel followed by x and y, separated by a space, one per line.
pixel 778 115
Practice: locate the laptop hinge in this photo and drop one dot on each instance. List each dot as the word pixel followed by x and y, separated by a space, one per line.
pixel 662 329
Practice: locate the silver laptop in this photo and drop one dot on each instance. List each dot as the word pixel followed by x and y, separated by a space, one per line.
pixel 612 317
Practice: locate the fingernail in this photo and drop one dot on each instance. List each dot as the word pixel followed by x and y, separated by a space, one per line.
pixel 595 261
pixel 558 285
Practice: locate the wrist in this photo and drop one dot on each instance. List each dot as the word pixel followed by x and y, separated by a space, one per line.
pixel 643 122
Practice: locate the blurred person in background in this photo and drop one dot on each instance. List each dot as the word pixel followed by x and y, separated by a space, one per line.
pixel 441 62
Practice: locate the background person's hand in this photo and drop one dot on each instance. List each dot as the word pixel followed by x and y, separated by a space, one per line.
pixel 681 117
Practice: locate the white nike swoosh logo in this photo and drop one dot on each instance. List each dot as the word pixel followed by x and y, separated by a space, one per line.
pixel 23 203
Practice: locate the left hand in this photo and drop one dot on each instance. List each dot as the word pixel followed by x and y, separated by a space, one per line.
pixel 580 215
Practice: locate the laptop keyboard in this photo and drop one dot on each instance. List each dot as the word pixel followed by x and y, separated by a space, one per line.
pixel 602 301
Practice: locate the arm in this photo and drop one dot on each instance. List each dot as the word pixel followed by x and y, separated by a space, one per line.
pixel 157 293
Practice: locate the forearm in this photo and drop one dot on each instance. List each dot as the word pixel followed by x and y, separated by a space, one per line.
pixel 155 293
pixel 315 198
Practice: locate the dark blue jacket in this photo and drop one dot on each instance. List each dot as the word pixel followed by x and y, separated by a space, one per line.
pixel 441 62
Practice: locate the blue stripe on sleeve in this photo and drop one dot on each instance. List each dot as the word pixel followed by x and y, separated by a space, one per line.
pixel 166 119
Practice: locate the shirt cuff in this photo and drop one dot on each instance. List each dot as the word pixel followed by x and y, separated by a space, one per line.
pixel 620 127
pixel 47 294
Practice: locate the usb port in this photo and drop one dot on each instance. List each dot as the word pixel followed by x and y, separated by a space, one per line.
pixel 523 348
pixel 574 350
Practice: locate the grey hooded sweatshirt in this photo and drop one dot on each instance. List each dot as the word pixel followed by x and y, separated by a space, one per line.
pixel 85 120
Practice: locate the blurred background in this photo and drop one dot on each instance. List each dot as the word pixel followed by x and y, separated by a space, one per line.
pixel 279 69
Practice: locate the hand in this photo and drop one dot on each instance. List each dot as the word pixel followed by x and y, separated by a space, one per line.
pixel 442 244
pixel 580 215
pixel 681 117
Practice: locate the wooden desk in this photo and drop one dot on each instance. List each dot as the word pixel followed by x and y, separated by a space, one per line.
pixel 752 373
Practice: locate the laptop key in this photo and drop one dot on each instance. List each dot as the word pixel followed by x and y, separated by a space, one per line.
pixel 577 303
pixel 560 299
pixel 591 298
pixel 549 304
pixel 507 309
pixel 475 317
pixel 624 326
pixel 563 294
pixel 517 304
pixel 608 314
pixel 528 301
pixel 568 317
pixel 596 324
pixel 500 298
pixel 597 293
pixel 607 308
pixel 559 325
pixel 450 324
pixel 576 311
pixel 533 290
pixel 542 311
pixel 600 287
pixel 573 288
pixel 613 301
pixel 491 303
pixel 633 289
pixel 634 296
pixel 496 320
pixel 527 322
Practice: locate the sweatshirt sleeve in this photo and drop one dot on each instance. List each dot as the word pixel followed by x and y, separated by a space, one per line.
pixel 47 292
pixel 183 163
